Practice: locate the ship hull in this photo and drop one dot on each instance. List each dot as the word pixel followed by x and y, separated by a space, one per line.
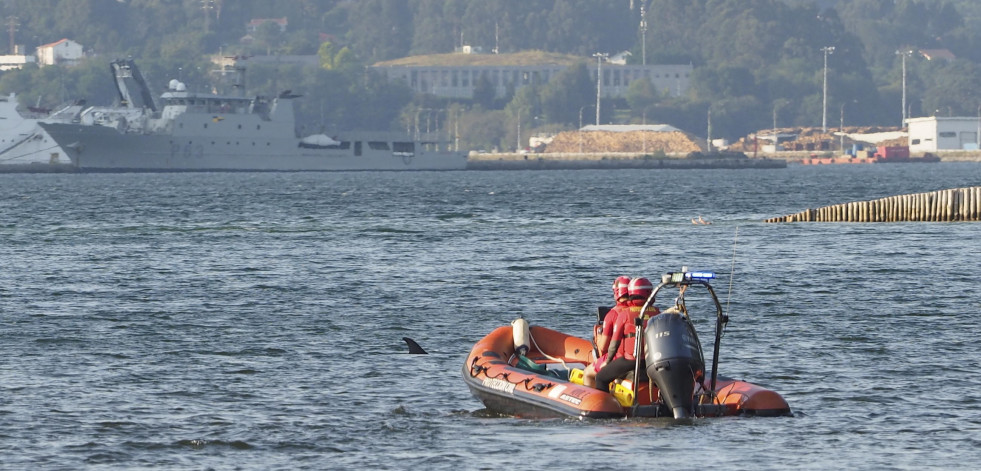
pixel 105 149
pixel 25 147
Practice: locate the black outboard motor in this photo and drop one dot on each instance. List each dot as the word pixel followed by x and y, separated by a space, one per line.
pixel 674 358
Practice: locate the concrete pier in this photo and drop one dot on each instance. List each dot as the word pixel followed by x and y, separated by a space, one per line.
pixel 37 168
pixel 956 204
pixel 576 161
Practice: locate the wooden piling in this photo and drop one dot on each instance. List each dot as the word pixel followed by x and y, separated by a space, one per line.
pixel 973 198
pixel 950 205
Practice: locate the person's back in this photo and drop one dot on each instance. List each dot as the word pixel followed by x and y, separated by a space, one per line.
pixel 620 297
pixel 621 358
pixel 629 326
pixel 601 332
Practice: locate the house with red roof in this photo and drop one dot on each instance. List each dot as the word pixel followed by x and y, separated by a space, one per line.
pixel 934 54
pixel 63 51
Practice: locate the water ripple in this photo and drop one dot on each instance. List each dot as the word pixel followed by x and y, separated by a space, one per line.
pixel 254 321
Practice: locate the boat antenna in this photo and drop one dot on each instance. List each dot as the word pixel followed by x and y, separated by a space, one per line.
pixel 732 271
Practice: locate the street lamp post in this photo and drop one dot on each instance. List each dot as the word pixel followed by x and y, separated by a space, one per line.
pixel 824 115
pixel 643 132
pixel 599 81
pixel 429 117
pixel 643 36
pixel 841 126
pixel 518 144
pixel 708 131
pixel 776 105
pixel 841 130
pixel 776 139
pixel 774 127
pixel 581 109
pixel 905 53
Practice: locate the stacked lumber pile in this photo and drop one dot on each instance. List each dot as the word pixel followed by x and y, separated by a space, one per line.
pixel 900 142
pixel 668 142
pixel 813 139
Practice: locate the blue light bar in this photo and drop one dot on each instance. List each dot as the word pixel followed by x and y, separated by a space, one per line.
pixel 701 275
pixel 683 276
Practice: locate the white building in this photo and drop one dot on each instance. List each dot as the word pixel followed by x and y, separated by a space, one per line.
pixel 934 133
pixel 456 75
pixel 15 61
pixel 64 51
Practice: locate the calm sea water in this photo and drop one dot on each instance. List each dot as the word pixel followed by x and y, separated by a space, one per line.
pixel 254 321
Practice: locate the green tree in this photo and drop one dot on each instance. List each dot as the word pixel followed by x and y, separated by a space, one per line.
pixel 715 83
pixel 568 92
pixel 520 111
pixel 325 55
pixel 484 129
pixel 489 25
pixel 953 89
pixel 381 29
pixel 484 92
pixel 345 60
pixel 268 36
pixel 437 28
pixel 641 96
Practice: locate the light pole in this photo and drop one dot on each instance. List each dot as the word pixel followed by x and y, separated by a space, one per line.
pixel 599 82
pixel 841 127
pixel 841 130
pixel 518 144
pixel 824 115
pixel 643 36
pixel 644 131
pixel 905 53
pixel 776 106
pixel 708 139
pixel 429 116
pixel 581 109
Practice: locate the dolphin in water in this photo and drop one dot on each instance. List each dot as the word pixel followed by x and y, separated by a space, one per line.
pixel 414 348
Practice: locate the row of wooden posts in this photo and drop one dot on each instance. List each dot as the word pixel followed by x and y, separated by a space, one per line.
pixel 956 204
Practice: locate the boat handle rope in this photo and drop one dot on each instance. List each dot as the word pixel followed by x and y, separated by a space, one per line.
pixel 723 399
pixel 532 337
pixel 714 395
pixel 476 370
pixel 704 392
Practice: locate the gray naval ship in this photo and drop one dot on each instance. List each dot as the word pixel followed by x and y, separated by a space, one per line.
pixel 209 132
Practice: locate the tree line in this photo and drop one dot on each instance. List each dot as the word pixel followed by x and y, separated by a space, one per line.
pixel 756 62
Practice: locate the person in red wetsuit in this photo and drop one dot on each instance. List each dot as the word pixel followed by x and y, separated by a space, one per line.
pixel 623 337
pixel 601 337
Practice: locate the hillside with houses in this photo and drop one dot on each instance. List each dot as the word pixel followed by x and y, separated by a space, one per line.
pixel 490 74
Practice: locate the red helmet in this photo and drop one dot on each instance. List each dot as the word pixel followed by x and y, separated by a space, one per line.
pixel 620 287
pixel 640 288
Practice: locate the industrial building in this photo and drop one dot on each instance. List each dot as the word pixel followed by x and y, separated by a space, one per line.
pixel 456 75
pixel 936 133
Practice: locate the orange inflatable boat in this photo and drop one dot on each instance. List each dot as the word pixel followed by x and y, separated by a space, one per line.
pixel 533 371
